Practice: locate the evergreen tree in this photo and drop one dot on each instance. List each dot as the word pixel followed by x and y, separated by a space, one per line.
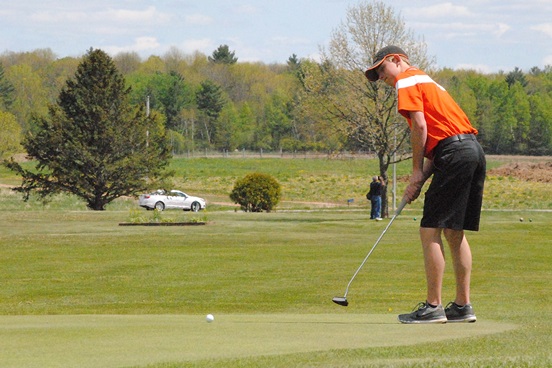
pixel 94 143
pixel 210 102
pixel 293 64
pixel 6 91
pixel 222 55
pixel 514 76
pixel 175 96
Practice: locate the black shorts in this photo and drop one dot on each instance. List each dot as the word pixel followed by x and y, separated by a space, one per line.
pixel 455 195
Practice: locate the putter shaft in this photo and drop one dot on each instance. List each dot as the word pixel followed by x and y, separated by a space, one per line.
pixel 397 212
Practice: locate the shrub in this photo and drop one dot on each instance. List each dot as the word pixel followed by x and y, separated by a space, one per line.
pixel 256 192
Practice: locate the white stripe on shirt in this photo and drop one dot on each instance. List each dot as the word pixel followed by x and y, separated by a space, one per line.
pixel 415 79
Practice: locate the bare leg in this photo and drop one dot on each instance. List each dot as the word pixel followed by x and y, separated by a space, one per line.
pixel 434 260
pixel 462 262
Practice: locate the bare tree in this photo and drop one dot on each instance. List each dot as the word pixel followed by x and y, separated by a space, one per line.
pixel 363 112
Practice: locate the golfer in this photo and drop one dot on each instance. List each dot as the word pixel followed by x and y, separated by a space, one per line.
pixel 444 147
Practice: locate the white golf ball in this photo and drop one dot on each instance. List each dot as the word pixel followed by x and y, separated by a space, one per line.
pixel 210 318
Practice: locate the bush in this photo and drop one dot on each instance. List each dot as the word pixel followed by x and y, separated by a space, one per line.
pixel 256 192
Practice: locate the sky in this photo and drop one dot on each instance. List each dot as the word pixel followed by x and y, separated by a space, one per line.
pixel 486 35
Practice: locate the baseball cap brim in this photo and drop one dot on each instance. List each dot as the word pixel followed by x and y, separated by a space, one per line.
pixel 371 72
pixel 379 57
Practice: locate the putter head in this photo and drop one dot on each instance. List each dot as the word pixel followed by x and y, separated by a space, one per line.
pixel 341 301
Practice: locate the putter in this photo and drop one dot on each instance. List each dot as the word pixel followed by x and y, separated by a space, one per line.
pixel 342 300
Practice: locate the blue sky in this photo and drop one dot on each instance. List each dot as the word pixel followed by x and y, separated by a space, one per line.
pixel 488 35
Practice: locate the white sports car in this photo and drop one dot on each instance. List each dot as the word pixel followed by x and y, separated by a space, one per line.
pixel 162 200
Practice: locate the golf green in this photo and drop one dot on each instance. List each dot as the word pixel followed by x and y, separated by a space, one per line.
pixel 133 340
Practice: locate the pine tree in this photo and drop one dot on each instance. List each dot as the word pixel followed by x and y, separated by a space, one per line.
pixel 222 55
pixel 94 143
pixel 6 91
pixel 210 101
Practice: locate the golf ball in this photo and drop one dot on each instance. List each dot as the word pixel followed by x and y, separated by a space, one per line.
pixel 210 318
pixel 521 219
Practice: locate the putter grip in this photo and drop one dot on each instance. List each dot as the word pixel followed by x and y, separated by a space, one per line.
pixel 401 206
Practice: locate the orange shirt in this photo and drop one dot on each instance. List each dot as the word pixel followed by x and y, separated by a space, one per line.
pixel 416 91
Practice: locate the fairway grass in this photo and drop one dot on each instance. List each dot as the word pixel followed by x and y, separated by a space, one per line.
pixel 90 341
pixel 76 287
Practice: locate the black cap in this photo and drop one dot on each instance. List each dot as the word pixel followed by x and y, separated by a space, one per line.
pixel 371 73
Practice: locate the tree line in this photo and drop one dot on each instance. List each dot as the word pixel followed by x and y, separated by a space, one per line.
pixel 216 102
pixel 100 127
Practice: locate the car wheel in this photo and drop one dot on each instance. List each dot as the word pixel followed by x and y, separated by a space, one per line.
pixel 159 206
pixel 195 207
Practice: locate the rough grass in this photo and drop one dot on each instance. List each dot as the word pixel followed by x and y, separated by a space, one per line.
pixel 309 183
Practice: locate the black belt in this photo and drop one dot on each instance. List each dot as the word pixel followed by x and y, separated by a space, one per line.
pixel 458 138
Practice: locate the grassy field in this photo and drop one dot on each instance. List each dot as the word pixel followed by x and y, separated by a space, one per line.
pixel 80 290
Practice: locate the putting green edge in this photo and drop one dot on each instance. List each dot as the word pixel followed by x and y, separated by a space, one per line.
pixel 127 340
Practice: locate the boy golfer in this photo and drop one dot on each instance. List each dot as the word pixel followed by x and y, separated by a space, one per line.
pixel 442 134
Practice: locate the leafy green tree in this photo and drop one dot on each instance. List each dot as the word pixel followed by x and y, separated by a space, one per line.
pixel 456 84
pixel 57 74
pixel 94 143
pixel 510 117
pixel 256 192
pixel 519 101
pixel 502 119
pixel 30 95
pixel 223 55
pixel 11 135
pixel 226 128
pixel 168 93
pixel 277 118
pixel 244 127
pixel 540 130
pixel 482 116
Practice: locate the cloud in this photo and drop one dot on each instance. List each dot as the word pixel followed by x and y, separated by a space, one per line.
pixel 280 40
pixel 545 28
pixel 462 29
pixel 440 11
pixel 246 9
pixel 146 16
pixel 482 68
pixel 204 45
pixel 149 15
pixel 198 20
pixel 547 60
pixel 59 16
pixel 140 44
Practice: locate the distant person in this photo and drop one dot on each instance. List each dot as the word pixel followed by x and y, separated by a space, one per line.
pixel 374 196
pixel 442 134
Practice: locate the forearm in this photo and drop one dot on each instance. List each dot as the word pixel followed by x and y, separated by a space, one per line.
pixel 428 169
